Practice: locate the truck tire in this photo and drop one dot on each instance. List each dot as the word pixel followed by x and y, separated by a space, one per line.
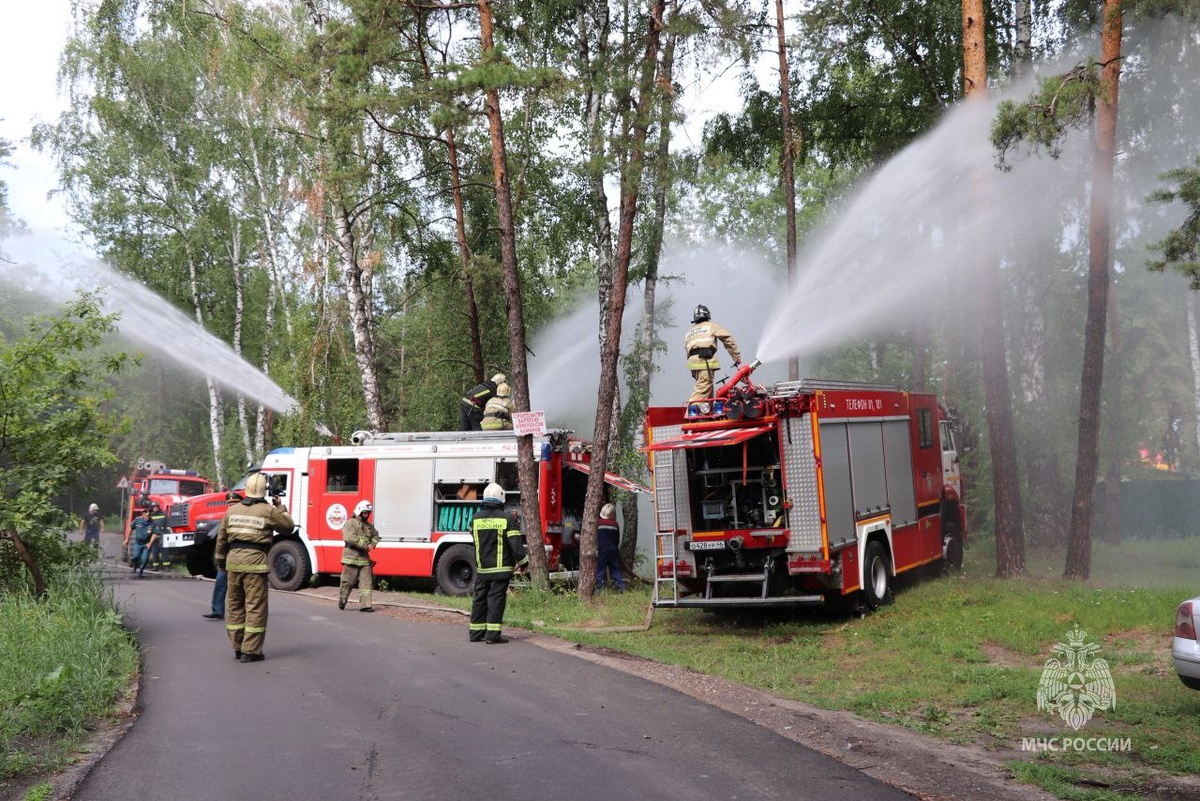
pixel 877 575
pixel 455 570
pixel 290 568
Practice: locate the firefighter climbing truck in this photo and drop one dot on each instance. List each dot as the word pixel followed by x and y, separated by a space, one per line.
pixel 424 486
pixel 804 492
pixel 151 483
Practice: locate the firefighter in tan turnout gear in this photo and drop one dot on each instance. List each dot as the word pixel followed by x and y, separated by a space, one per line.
pixel 497 415
pixel 499 548
pixel 361 537
pixel 700 343
pixel 243 539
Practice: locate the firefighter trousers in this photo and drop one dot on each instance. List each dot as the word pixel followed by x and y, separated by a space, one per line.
pixel 487 609
pixel 246 611
pixel 703 388
pixel 356 575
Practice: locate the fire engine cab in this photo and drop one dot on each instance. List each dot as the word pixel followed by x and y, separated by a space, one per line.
pixel 806 492
pixel 424 486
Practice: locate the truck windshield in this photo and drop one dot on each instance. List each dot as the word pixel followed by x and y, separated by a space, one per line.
pixel 175 486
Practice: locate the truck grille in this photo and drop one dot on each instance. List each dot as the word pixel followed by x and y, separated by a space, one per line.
pixel 177 515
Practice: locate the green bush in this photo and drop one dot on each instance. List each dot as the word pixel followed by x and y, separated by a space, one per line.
pixel 64 661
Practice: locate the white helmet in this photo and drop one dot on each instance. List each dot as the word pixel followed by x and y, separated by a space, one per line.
pixel 256 485
pixel 502 391
pixel 608 510
pixel 498 379
pixel 93 508
pixel 363 506
pixel 494 493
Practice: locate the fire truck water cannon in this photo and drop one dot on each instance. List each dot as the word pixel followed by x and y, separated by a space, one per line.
pixel 733 401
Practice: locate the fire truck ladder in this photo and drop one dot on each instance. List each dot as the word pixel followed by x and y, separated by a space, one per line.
pixel 666 583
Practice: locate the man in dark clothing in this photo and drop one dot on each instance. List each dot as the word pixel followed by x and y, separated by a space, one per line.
pixel 142 533
pixel 158 523
pixel 608 543
pixel 243 539
pixel 470 411
pixel 499 548
pixel 92 526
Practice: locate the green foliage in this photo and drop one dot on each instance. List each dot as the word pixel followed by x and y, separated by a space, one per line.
pixel 1181 248
pixel 1061 103
pixel 64 660
pixel 53 422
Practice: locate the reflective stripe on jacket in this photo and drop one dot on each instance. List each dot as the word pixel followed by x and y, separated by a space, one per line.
pixel 360 537
pixel 246 533
pixel 499 545
pixel 700 344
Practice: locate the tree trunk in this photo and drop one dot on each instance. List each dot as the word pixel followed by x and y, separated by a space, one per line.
pixel 1194 354
pixel 646 334
pixel 531 523
pixel 789 180
pixel 464 258
pixel 357 281
pixel 631 181
pixel 35 572
pixel 1114 424
pixel 1010 532
pixel 1079 544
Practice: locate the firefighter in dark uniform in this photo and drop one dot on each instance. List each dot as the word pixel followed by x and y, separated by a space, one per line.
pixel 243 539
pixel 361 537
pixel 499 548
pixel 158 524
pixel 470 412
pixel 700 343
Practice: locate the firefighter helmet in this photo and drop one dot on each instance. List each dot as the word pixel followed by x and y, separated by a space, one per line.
pixel 256 485
pixel 93 508
pixel 493 493
pixel 700 315
pixel 503 391
pixel 499 378
pixel 363 506
pixel 608 510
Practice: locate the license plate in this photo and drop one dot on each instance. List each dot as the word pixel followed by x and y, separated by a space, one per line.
pixel 708 545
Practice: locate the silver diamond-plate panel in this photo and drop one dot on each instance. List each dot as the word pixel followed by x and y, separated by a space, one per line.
pixel 800 473
pixel 671 508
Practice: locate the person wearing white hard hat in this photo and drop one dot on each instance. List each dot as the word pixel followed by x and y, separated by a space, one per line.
pixel 92 526
pixel 497 415
pixel 499 548
pixel 361 538
pixel 470 408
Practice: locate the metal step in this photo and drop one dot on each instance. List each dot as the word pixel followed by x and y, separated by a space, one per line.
pixel 757 578
pixel 782 600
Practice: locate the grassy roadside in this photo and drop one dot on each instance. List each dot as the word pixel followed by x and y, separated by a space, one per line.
pixel 958 658
pixel 64 660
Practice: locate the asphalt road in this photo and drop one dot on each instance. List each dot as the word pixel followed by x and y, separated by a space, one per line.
pixel 353 706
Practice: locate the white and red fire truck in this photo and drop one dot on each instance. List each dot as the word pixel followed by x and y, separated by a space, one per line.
pixel 424 487
pixel 806 492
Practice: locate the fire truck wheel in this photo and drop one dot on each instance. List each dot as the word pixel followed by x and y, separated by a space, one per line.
pixel 877 577
pixel 455 571
pixel 290 569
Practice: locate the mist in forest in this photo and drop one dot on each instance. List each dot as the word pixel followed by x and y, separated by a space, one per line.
pixel 737 286
pixel 907 247
pixel 56 270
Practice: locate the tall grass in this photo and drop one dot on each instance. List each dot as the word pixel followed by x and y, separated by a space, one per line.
pixel 64 661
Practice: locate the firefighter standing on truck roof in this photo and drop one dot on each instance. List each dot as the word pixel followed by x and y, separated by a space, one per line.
pixel 243 539
pixel 497 415
pixel 700 343
pixel 361 537
pixel 499 548
pixel 470 408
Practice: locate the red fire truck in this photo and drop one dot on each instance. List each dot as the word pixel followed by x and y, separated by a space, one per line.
pixel 806 492
pixel 152 483
pixel 424 486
